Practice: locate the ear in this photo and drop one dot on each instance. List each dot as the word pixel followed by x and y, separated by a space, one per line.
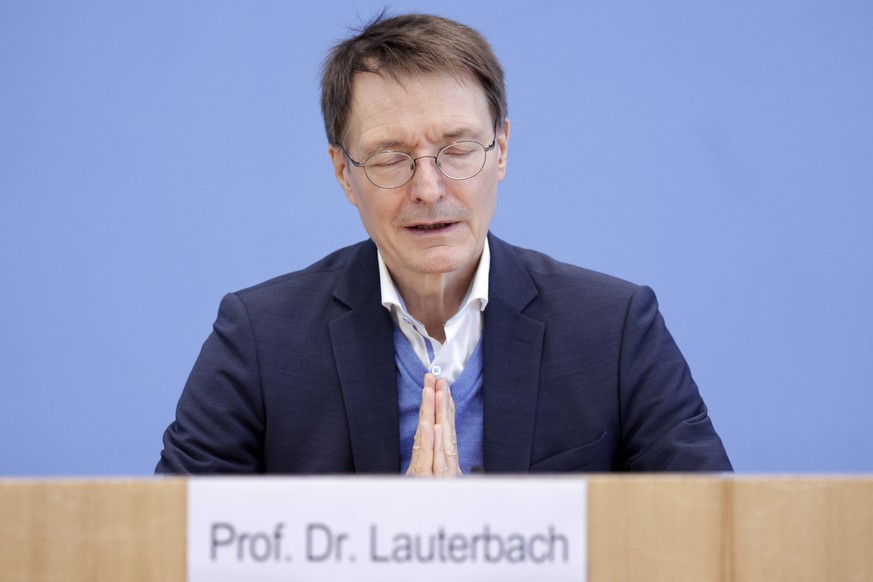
pixel 503 144
pixel 341 169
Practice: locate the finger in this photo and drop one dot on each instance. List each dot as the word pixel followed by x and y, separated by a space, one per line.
pixel 421 462
pixel 441 403
pixel 423 446
pixel 442 467
pixel 445 417
pixel 426 410
pixel 430 381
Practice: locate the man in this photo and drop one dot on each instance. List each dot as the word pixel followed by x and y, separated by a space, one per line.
pixel 434 348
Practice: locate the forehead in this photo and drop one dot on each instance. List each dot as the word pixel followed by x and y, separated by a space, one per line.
pixel 411 109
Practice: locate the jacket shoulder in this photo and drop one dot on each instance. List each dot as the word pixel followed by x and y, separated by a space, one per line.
pixel 318 272
pixel 549 274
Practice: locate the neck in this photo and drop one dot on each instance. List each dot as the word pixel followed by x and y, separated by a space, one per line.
pixel 434 299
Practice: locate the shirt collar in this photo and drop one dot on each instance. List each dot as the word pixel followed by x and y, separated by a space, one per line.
pixel 478 290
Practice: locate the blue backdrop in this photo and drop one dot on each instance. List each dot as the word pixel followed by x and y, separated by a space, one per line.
pixel 155 155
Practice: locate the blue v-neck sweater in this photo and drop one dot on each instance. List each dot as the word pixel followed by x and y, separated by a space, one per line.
pixel 467 392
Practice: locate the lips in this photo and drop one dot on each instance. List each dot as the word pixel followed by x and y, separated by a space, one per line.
pixel 434 226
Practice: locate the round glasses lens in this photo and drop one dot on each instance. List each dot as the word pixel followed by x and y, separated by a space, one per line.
pixel 461 160
pixel 390 169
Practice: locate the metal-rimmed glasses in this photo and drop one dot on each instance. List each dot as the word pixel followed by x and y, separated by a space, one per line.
pixel 460 160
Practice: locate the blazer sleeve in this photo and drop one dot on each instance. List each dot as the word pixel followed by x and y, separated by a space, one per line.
pixel 219 422
pixel 665 424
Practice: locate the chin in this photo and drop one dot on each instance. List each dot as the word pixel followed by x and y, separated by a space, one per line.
pixel 443 262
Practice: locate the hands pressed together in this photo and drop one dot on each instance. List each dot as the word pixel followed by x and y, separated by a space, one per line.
pixel 435 448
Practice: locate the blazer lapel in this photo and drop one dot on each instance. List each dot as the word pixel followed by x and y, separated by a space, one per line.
pixel 512 350
pixel 363 348
pixel 364 352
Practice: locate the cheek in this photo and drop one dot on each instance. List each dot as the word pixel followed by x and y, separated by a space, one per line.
pixel 356 191
pixel 376 214
pixel 488 213
pixel 487 201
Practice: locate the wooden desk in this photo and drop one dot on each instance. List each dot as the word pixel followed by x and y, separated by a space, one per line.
pixel 641 527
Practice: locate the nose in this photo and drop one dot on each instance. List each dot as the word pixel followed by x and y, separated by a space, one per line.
pixel 427 184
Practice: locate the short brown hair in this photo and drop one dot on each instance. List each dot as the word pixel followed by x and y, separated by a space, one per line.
pixel 408 44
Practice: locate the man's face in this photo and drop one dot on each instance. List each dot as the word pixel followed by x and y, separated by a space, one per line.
pixel 432 224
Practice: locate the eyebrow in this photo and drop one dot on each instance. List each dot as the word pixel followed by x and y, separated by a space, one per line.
pixel 393 144
pixel 383 146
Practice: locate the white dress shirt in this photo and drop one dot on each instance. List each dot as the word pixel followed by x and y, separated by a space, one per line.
pixel 463 331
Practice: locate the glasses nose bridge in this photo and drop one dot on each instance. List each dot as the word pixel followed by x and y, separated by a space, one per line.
pixel 435 159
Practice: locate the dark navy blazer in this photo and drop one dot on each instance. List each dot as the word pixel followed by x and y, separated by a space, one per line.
pixel 298 376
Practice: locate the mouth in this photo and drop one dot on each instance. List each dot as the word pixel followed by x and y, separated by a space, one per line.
pixel 434 227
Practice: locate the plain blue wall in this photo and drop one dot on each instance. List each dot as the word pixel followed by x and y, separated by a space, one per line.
pixel 155 155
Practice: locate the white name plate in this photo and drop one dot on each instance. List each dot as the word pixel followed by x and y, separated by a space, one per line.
pixel 387 528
